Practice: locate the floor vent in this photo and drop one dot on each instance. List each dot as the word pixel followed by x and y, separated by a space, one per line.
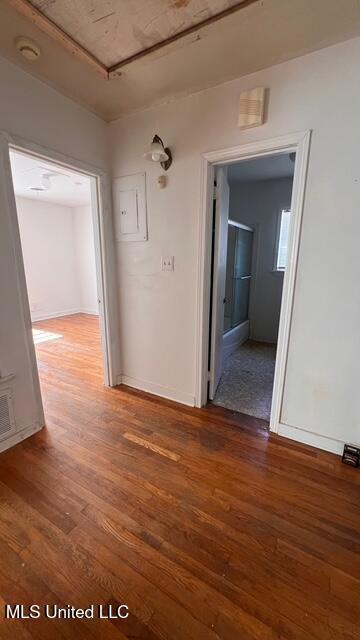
pixel 7 422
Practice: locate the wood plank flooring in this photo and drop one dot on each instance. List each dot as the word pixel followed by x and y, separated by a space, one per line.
pixel 198 520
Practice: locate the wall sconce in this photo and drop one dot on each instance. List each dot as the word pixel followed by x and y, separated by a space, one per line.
pixel 158 153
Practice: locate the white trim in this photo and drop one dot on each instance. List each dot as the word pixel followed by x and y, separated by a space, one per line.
pixel 300 143
pixel 37 317
pixel 158 390
pixel 296 207
pixel 89 312
pixel 20 435
pixel 313 439
pixel 10 211
pixel 4 380
pixel 103 236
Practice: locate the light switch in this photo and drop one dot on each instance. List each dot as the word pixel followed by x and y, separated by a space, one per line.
pixel 167 263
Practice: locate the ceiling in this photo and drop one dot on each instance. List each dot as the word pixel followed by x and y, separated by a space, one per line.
pixel 63 186
pixel 114 31
pixel 261 34
pixel 266 168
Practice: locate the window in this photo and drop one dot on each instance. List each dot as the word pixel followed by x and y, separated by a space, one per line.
pixel 283 240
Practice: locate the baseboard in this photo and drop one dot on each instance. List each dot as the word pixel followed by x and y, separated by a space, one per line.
pixel 264 340
pixel 36 317
pixel 20 436
pixel 313 439
pixel 158 390
pixel 90 312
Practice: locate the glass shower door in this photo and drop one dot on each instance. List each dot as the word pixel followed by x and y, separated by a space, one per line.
pixel 242 276
pixel 238 276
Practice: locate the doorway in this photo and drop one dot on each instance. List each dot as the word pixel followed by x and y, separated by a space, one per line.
pixel 60 236
pixel 231 319
pixel 258 218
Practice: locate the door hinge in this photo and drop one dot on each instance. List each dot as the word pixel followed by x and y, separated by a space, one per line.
pixel 215 192
pixel 209 376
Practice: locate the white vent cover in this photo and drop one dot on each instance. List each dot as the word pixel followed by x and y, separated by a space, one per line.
pixel 7 422
pixel 251 108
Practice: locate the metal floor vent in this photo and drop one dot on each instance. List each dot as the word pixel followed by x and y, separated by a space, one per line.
pixel 7 422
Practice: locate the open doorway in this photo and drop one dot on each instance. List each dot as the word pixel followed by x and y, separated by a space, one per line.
pixel 57 211
pixel 228 321
pixel 256 195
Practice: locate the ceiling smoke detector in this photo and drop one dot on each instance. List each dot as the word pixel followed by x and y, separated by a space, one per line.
pixel 28 48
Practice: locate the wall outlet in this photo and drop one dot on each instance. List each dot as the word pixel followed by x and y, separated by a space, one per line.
pixel 167 263
pixel 34 306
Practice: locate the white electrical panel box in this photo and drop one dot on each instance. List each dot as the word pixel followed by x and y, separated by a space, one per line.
pixel 129 197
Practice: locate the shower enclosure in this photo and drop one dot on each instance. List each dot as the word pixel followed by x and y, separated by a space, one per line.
pixel 238 275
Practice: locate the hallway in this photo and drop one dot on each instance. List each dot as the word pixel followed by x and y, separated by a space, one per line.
pixel 201 522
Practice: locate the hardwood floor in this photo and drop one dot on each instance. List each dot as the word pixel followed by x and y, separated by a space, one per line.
pixel 198 520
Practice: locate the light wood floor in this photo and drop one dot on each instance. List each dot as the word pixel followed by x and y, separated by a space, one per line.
pixel 203 524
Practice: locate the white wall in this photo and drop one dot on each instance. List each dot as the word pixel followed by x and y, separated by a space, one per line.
pixel 48 246
pixel 59 258
pixel 158 310
pixel 32 110
pixel 257 204
pixel 85 265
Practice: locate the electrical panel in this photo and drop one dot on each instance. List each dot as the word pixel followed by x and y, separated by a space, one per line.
pixel 130 219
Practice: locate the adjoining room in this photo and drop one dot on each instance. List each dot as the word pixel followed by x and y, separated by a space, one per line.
pixel 258 204
pixel 55 217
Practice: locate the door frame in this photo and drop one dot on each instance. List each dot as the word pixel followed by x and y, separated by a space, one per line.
pixel 299 143
pixel 104 251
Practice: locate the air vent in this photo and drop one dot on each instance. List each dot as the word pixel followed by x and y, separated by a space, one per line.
pixel 7 423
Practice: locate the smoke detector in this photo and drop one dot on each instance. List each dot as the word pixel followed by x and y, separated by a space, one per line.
pixel 28 48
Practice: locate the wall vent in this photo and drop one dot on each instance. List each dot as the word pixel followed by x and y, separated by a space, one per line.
pixel 7 422
pixel 251 109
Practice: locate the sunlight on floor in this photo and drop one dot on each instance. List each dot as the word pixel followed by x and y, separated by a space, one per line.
pixel 44 336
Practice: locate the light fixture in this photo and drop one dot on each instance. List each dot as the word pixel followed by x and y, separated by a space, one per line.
pixel 28 48
pixel 158 153
pixel 44 183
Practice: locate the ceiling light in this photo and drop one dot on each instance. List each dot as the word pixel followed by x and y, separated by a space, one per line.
pixel 39 189
pixel 158 153
pixel 28 48
pixel 44 184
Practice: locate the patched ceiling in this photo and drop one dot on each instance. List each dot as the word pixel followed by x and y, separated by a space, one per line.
pixel 115 30
pixel 81 39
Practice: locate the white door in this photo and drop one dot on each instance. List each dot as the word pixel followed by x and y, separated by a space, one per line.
pixel 219 277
